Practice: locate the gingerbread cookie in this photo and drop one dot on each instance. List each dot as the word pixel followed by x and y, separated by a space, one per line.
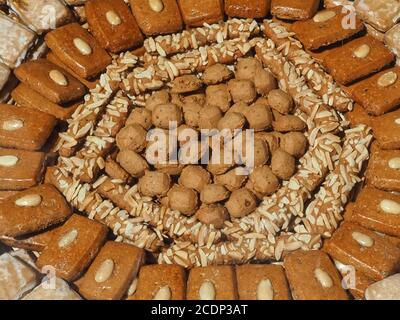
pixel 212 283
pixel 387 130
pixel 161 282
pixel 50 81
pixel 77 244
pixel 377 210
pixel 365 250
pixel 157 16
pixel 294 10
pixel 195 13
pixel 24 128
pixel 113 25
pixel 380 93
pixel 262 282
pixel 325 28
pixel 111 273
pixel 384 170
pixel 25 96
pixel 247 8
pixel 357 59
pixel 313 276
pixel 20 169
pixel 32 210
pixel 78 50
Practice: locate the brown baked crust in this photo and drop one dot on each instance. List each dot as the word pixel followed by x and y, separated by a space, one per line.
pixel 247 8
pixel 117 37
pixel 61 42
pixel 72 259
pixel 196 13
pixel 168 20
pixel 315 35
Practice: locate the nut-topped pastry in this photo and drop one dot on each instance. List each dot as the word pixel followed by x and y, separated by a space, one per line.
pixel 76 245
pixel 325 28
pixel 195 13
pixel 111 273
pixel 157 16
pixel 78 50
pixel 50 81
pixel 113 25
pixel 216 145
pixel 166 282
pixel 45 205
pixel 247 9
pixel 20 169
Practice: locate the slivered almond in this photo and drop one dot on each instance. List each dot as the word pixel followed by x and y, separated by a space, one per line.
pixel 207 291
pixel 265 290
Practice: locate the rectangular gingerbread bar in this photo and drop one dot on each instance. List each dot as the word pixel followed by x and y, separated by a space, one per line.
pixel 24 128
pixel 20 169
pixel 78 50
pixel 367 251
pixel 156 17
pixel 32 210
pixel 313 276
pixel 377 210
pixel 90 84
pixel 387 130
pixel 50 81
pixel 326 28
pixel 294 9
pixel 380 93
pixel 161 282
pixel 74 248
pixel 262 282
pixel 25 96
pixel 247 8
pixel 212 283
pixel 111 273
pixel 113 25
pixel 357 59
pixel 383 170
pixel 196 13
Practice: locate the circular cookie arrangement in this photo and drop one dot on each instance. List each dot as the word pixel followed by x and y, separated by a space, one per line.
pixel 203 183
pixel 237 74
